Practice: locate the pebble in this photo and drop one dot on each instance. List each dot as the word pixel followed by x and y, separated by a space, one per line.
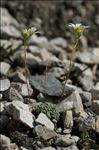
pixel 90 56
pixel 20 112
pixel 72 101
pixel 4 68
pixel 97 125
pixel 69 89
pixel 48 148
pixel 5 143
pixel 59 41
pixel 18 77
pixel 86 98
pixel 7 19
pixel 0 96
pixel 95 92
pixel 23 148
pixel 4 85
pixel 68 119
pixel 65 105
pixel 26 90
pixel 86 82
pixel 10 32
pixel 22 138
pixel 12 95
pixel 44 132
pixel 39 41
pixel 64 141
pixel 44 120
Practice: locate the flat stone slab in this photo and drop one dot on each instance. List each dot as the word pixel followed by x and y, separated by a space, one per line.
pixel 46 84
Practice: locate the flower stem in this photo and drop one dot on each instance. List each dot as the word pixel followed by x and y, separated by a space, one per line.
pixel 67 75
pixel 25 66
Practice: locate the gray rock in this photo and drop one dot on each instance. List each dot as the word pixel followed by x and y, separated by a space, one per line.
pixel 90 56
pixel 10 32
pixel 45 55
pixel 76 138
pixel 7 19
pixel 35 50
pixel 4 68
pixel 3 121
pixel 31 60
pixel 64 141
pixel 44 132
pixel 17 86
pixel 57 51
pixel 80 69
pixel 2 107
pixel 69 89
pixel 86 98
pixel 20 112
pixel 97 125
pixel 11 44
pixel 12 95
pixel 86 82
pixel 72 147
pixel 95 92
pixel 65 105
pixel 26 90
pixel 72 101
pixel 44 120
pixel 19 77
pixel 48 148
pixel 59 130
pixel 4 84
pixel 5 143
pixel 52 62
pixel 68 119
pixel 95 106
pixel 23 148
pixel 23 139
pixel 59 41
pixel 66 131
pixel 46 84
pixel 39 41
pixel 57 72
pixel 1 96
pixel 77 102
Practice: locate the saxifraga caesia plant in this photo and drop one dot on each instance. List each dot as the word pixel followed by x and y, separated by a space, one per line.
pixel 49 109
pixel 26 34
pixel 78 30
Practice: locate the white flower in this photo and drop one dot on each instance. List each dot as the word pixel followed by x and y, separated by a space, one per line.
pixel 33 29
pixel 78 28
pixel 77 25
pixel 26 33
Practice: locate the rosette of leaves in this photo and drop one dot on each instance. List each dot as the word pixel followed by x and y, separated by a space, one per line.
pixel 49 109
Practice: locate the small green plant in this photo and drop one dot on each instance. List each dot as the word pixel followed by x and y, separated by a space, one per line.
pixel 78 30
pixel 26 34
pixel 49 109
